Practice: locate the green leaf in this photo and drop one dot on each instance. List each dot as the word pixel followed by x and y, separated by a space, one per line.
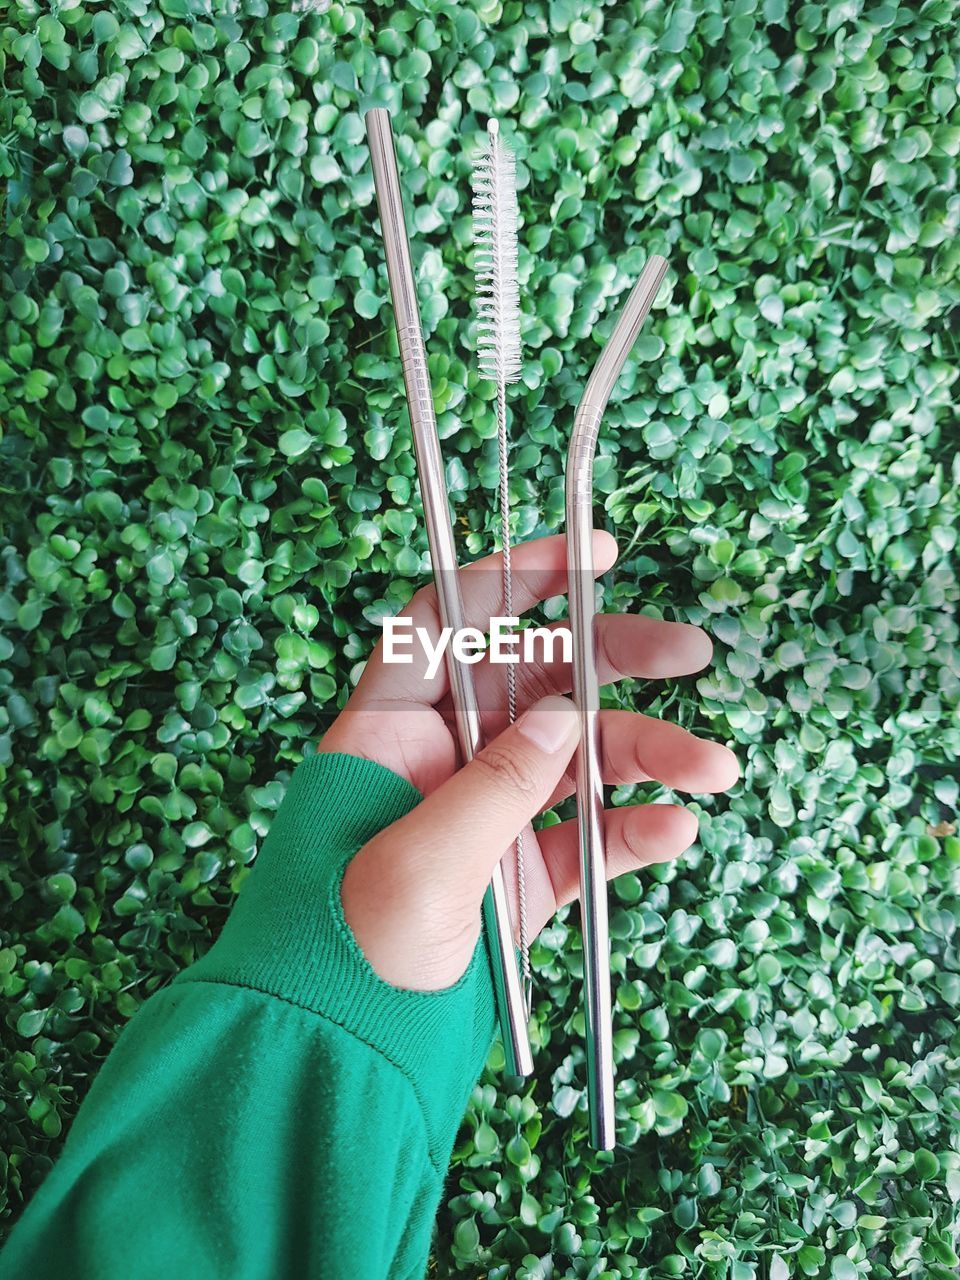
pixel 926 1164
pixel 296 442
pixel 367 304
pixel 91 108
pixel 32 1022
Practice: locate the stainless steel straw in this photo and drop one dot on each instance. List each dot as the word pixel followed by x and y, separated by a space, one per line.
pixel 586 693
pixel 443 556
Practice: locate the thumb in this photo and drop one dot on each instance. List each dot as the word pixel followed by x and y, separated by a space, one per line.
pixel 412 895
pixel 464 827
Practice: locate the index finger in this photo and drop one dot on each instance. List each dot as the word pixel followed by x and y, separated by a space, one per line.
pixel 539 571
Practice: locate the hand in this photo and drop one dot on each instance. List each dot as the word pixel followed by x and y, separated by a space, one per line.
pixel 412 895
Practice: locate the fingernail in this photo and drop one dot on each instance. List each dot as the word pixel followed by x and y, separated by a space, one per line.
pixel 550 723
pixel 700 644
pixel 688 645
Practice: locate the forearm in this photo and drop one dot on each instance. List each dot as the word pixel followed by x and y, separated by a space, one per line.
pixel 278 1094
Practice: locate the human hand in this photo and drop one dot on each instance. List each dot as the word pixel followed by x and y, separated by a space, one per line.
pixel 412 895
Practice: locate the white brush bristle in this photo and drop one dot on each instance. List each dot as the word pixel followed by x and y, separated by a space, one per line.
pixel 495 241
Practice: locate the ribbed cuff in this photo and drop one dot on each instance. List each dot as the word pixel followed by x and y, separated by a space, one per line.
pixel 287 936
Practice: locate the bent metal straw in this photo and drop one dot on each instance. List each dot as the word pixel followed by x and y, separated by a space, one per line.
pixel 443 556
pixel 586 694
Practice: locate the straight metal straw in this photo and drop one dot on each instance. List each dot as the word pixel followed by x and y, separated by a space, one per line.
pixel 443 556
pixel 586 693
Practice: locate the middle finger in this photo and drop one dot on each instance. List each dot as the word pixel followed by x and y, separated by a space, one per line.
pixel 628 644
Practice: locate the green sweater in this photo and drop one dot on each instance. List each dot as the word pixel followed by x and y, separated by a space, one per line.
pixel 278 1110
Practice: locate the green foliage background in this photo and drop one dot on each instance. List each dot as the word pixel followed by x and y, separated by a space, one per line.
pixel 208 486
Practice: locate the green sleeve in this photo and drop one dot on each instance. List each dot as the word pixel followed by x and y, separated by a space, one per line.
pixel 278 1110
